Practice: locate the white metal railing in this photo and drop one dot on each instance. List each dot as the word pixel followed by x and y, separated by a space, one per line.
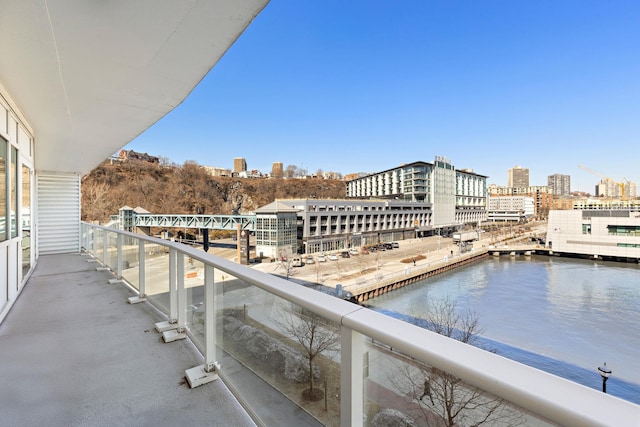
pixel 544 398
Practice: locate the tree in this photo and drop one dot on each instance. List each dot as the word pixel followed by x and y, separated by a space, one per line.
pixel 286 262
pixel 290 171
pixel 315 334
pixel 443 398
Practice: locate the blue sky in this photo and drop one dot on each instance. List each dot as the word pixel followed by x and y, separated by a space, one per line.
pixel 363 86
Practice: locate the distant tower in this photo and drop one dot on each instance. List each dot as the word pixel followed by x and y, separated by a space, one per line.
pixel 518 177
pixel 560 185
pixel 277 170
pixel 239 165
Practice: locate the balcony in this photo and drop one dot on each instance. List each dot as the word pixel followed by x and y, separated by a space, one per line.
pixel 73 337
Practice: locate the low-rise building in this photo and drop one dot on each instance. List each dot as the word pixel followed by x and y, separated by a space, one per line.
pixel 510 208
pixel 331 225
pixel 217 171
pixel 610 234
pixel 542 196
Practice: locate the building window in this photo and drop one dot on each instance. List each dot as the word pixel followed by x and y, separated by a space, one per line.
pixel 624 230
pixel 13 193
pixel 586 228
pixel 4 208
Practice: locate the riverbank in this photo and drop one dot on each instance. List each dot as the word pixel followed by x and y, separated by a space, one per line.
pixel 364 276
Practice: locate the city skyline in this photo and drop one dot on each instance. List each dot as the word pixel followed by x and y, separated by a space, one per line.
pixel 362 87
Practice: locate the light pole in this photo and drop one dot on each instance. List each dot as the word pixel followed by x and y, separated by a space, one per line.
pixel 605 373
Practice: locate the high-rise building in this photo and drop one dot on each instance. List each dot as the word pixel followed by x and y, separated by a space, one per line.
pixel 239 165
pixel 518 177
pixel 560 185
pixel 277 170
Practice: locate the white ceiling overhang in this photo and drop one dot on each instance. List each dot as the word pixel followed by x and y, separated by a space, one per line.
pixel 91 75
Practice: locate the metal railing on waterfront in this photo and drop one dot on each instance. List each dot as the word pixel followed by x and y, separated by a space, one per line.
pixel 368 366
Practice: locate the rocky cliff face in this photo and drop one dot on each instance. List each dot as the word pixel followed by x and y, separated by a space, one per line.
pixel 188 189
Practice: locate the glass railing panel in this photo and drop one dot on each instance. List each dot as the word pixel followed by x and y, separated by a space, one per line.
pixel 99 243
pixel 194 287
pixel 131 261
pixel 156 265
pixel 112 250
pixel 401 390
pixel 266 344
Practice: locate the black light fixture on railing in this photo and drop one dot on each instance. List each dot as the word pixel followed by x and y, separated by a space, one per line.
pixel 605 373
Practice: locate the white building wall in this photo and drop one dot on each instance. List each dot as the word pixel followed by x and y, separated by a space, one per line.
pixel 58 221
pixel 569 232
pixel 16 136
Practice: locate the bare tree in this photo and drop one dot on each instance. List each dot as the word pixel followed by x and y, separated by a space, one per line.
pixel 301 172
pixel 315 335
pixel 286 262
pixel 443 398
pixel 290 171
pixel 95 200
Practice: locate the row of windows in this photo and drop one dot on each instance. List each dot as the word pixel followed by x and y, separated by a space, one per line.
pixel 624 230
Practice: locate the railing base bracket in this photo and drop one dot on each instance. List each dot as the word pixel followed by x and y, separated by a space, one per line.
pixel 112 281
pixel 136 300
pixel 165 326
pixel 199 376
pixel 173 335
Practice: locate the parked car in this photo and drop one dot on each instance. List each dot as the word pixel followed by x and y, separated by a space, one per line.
pixel 333 257
pixel 388 246
pixel 354 251
pixel 296 261
pixel 309 260
pixel 321 258
pixel 344 254
pixel 395 245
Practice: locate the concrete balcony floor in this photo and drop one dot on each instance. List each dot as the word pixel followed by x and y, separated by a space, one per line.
pixel 73 352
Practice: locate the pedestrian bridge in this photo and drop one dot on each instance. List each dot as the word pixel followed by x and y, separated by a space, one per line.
pixel 128 218
pixel 211 222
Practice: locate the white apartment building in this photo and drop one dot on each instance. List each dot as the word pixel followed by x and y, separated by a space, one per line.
pixel 510 208
pixel 457 196
pixel 610 234
pixel 611 188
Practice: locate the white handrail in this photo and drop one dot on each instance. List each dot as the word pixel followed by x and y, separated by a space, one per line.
pixel 547 396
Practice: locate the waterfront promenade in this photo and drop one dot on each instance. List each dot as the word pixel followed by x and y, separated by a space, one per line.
pixel 366 276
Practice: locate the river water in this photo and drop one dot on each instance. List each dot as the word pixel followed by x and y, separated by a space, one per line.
pixel 564 316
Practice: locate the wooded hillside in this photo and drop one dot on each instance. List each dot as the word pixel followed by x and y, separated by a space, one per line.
pixel 188 189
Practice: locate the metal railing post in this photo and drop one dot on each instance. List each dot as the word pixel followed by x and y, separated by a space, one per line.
pixel 351 377
pixel 181 298
pixel 177 296
pixel 208 372
pixel 210 316
pixel 173 296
